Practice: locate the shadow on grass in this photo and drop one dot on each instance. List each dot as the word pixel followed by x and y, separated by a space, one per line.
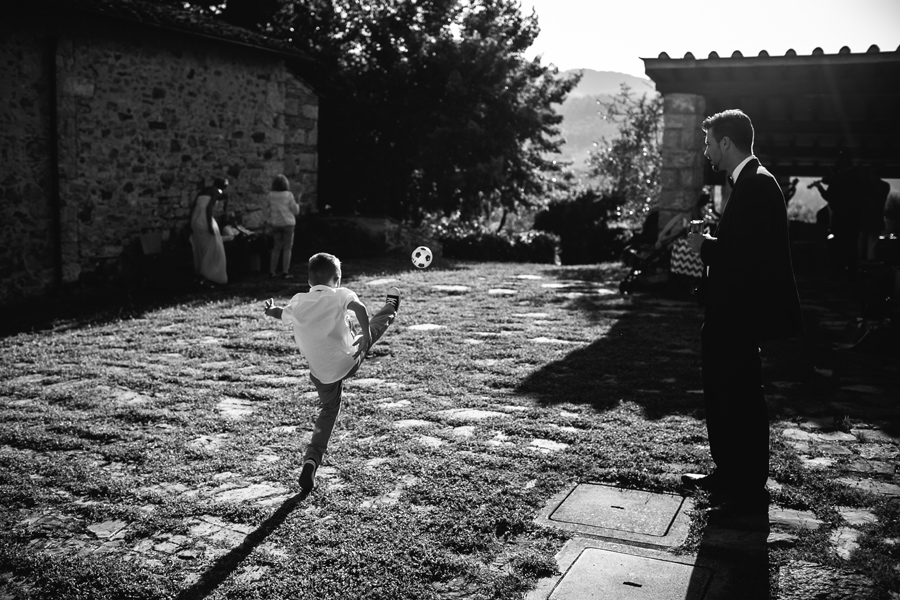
pixel 75 309
pixel 649 355
pixel 735 551
pixel 78 307
pixel 227 564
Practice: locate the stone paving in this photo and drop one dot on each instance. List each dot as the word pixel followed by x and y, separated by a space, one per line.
pixel 603 563
pixel 608 557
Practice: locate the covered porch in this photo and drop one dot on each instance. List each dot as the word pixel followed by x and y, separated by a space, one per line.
pixel 807 111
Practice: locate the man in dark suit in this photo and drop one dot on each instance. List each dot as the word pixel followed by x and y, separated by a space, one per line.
pixel 750 297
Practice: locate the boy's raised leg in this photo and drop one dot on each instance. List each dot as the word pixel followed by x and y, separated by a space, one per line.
pixel 384 317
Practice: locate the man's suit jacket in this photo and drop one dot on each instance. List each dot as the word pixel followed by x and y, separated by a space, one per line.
pixel 750 288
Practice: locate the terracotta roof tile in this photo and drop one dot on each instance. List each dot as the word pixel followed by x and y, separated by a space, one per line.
pixel 873 49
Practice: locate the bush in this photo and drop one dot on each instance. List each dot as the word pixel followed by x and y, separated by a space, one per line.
pixel 583 226
pixel 528 246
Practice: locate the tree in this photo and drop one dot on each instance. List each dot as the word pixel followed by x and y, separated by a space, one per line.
pixel 629 166
pixel 429 105
pixel 255 15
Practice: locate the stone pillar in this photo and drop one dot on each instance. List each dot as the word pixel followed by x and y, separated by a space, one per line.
pixel 682 155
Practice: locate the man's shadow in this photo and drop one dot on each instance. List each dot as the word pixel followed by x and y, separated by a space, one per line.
pixel 732 560
pixel 228 563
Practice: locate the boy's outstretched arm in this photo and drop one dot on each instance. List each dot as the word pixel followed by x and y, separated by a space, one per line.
pixel 362 316
pixel 272 310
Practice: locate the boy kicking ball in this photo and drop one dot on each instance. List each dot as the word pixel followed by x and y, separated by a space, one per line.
pixel 322 331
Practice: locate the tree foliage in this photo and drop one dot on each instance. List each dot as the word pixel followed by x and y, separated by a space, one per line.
pixel 255 15
pixel 629 165
pixel 427 105
pixel 583 224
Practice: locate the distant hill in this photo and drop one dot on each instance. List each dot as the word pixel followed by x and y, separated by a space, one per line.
pixel 595 83
pixel 582 123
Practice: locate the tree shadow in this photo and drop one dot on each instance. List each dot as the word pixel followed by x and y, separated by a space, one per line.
pixel 650 354
pixel 93 305
pixel 228 563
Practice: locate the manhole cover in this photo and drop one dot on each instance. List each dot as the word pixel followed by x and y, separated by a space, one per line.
pixel 623 510
pixel 603 574
pixel 620 514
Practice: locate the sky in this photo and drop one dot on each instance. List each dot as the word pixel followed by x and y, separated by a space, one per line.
pixel 613 35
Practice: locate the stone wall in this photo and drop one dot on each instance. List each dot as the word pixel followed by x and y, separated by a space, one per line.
pixel 143 118
pixel 682 155
pixel 26 221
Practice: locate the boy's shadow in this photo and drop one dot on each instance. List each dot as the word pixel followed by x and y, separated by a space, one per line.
pixel 229 562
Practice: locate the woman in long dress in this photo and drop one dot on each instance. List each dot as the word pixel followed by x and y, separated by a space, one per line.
pixel 209 251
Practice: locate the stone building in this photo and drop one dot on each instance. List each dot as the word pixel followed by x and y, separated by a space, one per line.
pixel 112 115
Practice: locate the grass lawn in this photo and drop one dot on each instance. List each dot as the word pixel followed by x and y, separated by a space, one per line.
pixel 153 451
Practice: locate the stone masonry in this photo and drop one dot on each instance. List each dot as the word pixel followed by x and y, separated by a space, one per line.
pixel 682 154
pixel 126 122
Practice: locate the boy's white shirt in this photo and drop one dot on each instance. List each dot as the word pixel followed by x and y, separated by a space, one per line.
pixel 321 328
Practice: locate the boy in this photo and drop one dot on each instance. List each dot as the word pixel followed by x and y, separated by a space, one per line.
pixel 322 331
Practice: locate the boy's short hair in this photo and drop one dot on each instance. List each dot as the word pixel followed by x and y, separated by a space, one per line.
pixel 280 184
pixel 324 267
pixel 735 125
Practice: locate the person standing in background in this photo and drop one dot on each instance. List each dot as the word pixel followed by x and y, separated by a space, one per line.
pixel 872 223
pixel 283 211
pixel 845 196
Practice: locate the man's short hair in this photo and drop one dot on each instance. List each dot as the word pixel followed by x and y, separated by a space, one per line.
pixel 734 124
pixel 323 267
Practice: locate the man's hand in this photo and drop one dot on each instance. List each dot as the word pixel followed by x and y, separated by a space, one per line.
pixel 697 240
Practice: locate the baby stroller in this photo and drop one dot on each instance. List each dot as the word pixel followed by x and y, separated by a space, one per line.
pixel 674 257
pixel 645 260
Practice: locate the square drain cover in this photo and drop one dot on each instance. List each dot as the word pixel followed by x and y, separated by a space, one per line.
pixel 623 510
pixel 599 574
pixel 620 514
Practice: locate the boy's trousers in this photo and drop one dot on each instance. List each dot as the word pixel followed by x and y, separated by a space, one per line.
pixel 330 393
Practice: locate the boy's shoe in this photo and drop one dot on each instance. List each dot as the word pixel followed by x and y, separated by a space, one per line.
pixel 308 475
pixel 393 298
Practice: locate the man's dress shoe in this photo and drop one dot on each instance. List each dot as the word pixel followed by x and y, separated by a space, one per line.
pixel 694 481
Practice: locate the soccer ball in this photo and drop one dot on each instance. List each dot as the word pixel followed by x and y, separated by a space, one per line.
pixel 421 257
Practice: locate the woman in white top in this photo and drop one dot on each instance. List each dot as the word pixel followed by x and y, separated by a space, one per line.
pixel 283 209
